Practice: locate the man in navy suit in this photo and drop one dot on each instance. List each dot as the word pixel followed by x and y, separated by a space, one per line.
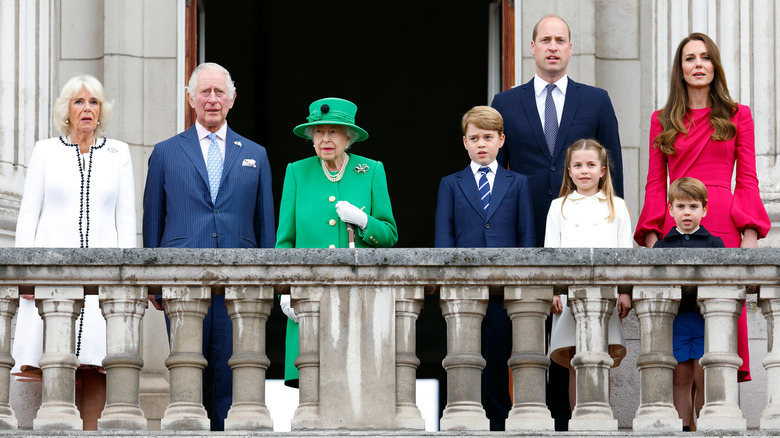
pixel 209 187
pixel 536 144
pixel 487 206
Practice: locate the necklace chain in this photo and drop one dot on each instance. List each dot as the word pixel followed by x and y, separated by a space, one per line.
pixel 337 177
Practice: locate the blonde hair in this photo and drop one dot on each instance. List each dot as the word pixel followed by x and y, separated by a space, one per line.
pixel 674 113
pixel 483 117
pixel 69 91
pixel 605 182
pixel 688 188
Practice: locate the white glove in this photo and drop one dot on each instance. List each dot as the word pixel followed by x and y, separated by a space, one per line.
pixel 284 302
pixel 351 214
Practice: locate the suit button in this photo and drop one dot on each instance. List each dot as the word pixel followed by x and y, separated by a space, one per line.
pixel 332 246
pixel 213 234
pixel 552 168
pixel 332 222
pixel 332 199
pixel 687 237
pixel 216 211
pixel 549 192
pixel 487 226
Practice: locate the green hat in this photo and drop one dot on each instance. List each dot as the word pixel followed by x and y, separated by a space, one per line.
pixel 331 111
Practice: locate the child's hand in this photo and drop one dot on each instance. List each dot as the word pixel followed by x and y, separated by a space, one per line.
pixel 623 305
pixel 556 307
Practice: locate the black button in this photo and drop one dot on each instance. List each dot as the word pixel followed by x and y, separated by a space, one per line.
pixel 552 168
pixel 325 109
pixel 213 234
pixel 216 211
pixel 487 226
pixel 687 237
pixel 549 192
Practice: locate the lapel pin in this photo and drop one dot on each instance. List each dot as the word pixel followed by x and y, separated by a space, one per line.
pixel 237 143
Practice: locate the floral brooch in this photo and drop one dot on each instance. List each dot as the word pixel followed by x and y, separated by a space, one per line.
pixel 361 168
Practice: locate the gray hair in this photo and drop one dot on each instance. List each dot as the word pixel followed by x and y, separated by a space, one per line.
pixel 351 134
pixel 210 66
pixel 69 91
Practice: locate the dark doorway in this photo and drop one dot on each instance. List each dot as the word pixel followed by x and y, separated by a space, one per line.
pixel 412 67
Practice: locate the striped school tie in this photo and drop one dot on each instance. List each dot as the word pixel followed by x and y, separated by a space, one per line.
pixel 484 187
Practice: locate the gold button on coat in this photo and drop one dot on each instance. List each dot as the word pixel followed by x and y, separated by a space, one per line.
pixel 332 246
pixel 332 199
pixel 332 222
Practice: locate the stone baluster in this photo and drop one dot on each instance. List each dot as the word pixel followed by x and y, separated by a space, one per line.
pixel 8 303
pixel 123 308
pixel 464 308
pixel 186 306
pixel 769 299
pixel 656 307
pixel 721 307
pixel 528 307
pixel 249 307
pixel 306 302
pixel 592 307
pixel 59 306
pixel 408 302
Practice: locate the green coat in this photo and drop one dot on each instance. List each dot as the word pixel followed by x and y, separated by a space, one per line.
pixel 308 219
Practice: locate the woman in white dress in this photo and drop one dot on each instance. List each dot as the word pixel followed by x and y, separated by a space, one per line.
pixel 78 193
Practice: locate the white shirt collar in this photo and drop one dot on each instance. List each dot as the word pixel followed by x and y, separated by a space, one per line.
pixel 576 196
pixel 492 166
pixel 204 133
pixel 540 84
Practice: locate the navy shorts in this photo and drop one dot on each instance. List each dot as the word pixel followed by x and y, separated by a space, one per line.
pixel 688 336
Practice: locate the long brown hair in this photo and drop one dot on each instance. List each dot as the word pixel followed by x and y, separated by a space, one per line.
pixel 672 116
pixel 605 182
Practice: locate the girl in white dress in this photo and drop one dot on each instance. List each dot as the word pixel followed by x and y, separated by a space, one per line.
pixel 586 215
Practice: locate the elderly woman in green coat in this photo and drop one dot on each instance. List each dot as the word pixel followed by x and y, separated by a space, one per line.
pixel 333 200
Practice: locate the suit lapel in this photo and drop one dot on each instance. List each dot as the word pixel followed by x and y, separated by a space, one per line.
pixel 469 187
pixel 532 114
pixel 190 145
pixel 232 153
pixel 500 186
pixel 572 101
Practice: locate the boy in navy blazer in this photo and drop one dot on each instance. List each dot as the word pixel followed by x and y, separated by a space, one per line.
pixel 487 206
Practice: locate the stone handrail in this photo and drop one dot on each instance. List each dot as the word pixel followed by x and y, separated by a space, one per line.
pixel 353 305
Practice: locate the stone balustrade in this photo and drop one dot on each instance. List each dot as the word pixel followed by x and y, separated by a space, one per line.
pixel 357 311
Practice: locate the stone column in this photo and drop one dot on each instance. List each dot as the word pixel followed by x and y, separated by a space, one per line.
pixel 306 302
pixel 592 307
pixel 59 306
pixel 656 307
pixel 123 308
pixel 249 307
pixel 721 306
pixel 464 308
pixel 528 307
pixel 9 296
pixel 408 302
pixel 186 306
pixel 769 299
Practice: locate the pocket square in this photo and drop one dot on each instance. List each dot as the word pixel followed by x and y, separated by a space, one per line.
pixel 248 162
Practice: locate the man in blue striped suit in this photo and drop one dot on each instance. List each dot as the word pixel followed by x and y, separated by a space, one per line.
pixel 209 187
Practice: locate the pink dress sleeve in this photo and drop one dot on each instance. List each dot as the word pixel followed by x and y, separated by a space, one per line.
pixel 654 210
pixel 747 209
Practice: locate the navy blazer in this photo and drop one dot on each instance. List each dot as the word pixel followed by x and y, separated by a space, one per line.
pixel 178 211
pixel 461 221
pixel 587 113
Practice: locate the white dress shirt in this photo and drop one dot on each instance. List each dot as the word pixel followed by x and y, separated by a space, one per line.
pixel 491 176
pixel 559 95
pixel 205 141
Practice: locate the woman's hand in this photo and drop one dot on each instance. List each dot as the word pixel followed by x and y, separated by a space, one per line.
pixel 351 214
pixel 749 238
pixel 284 303
pixel 650 240
pixel 556 307
pixel 623 305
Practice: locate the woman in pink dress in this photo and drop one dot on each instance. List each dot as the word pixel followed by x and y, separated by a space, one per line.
pixel 702 133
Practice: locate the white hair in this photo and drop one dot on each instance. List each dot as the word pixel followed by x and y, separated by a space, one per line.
pixel 351 134
pixel 69 91
pixel 210 66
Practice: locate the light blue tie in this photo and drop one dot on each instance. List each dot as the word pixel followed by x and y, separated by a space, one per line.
pixel 484 187
pixel 214 166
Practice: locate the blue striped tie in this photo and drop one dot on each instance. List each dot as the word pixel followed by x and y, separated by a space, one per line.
pixel 550 120
pixel 214 167
pixel 484 187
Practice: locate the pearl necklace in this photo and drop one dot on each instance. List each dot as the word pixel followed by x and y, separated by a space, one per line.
pixel 337 177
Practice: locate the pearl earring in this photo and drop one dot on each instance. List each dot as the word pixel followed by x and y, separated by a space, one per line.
pixel 67 122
